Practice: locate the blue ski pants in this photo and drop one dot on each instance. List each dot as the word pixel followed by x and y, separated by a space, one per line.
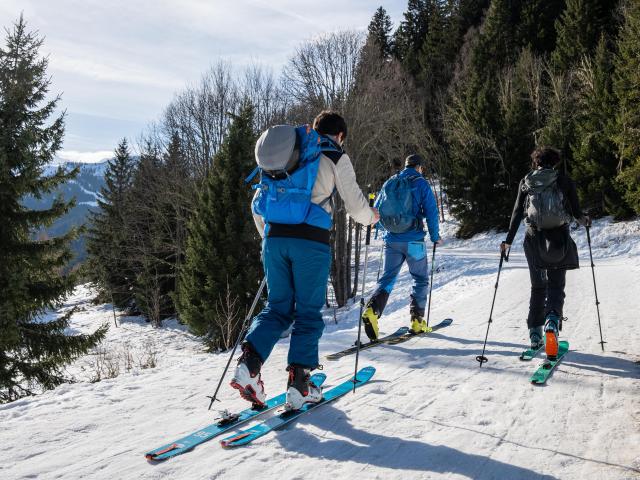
pixel 297 272
pixel 395 254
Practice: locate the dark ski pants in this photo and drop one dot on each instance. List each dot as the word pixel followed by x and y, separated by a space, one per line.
pixel 547 290
pixel 297 272
pixel 395 254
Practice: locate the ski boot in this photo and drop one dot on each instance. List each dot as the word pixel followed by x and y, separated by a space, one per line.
pixel 370 321
pixel 300 389
pixel 247 379
pixel 535 335
pixel 419 325
pixel 551 335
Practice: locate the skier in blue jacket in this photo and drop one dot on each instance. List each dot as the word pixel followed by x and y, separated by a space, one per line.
pixel 408 246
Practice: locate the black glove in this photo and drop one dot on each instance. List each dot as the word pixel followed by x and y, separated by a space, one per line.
pixel 585 221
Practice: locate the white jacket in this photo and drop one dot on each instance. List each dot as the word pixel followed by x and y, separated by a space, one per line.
pixel 340 176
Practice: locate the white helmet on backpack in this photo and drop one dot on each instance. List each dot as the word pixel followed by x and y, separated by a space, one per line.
pixel 277 150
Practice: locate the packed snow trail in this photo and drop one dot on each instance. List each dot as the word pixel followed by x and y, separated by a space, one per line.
pixel 430 411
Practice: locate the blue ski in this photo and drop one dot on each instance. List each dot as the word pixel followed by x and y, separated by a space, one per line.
pixel 247 436
pixel 188 442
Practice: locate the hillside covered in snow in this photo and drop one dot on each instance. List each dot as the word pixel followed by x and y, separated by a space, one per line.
pixel 429 412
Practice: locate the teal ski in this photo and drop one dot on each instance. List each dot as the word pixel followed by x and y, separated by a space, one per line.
pixel 530 354
pixel 247 436
pixel 364 346
pixel 544 371
pixel 188 442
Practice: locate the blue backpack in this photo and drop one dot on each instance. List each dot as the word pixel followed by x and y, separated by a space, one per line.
pixel 286 197
pixel 395 204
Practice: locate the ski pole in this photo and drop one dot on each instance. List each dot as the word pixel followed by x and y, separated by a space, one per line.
pixel 245 327
pixel 595 289
pixel 380 262
pixel 433 266
pixel 503 257
pixel 364 277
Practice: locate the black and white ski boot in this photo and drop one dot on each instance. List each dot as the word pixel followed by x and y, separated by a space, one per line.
pixel 300 389
pixel 247 379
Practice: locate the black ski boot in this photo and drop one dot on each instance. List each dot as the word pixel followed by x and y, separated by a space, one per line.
pixel 300 389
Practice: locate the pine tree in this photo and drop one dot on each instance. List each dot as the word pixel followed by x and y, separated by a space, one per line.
pixel 380 31
pixel 489 125
pixel 149 227
pixel 222 264
pixel 537 25
pixel 626 81
pixel 33 352
pixel 579 29
pixel 470 14
pixel 108 244
pixel 594 153
pixel 410 35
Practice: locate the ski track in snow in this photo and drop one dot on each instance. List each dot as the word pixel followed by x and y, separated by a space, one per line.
pixel 429 412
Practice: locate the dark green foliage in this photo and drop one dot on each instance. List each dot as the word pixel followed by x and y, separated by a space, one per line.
pixel 33 349
pixel 595 161
pixel 490 125
pixel 537 25
pixel 109 241
pixel 469 14
pixel 380 32
pixel 222 265
pixel 150 241
pixel 490 137
pixel 410 35
pixel 161 198
pixel 627 91
pixel 579 29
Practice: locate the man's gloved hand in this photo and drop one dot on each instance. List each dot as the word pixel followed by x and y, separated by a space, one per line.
pixel 585 221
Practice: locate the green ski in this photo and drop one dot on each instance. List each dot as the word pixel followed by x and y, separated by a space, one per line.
pixel 530 354
pixel 544 371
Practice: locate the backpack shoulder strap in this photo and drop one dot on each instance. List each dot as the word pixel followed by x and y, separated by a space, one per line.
pixel 330 150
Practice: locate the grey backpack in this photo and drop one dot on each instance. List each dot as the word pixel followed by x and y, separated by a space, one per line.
pixel 545 204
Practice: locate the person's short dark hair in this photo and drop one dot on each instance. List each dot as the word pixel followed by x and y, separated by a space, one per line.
pixel 330 123
pixel 545 157
pixel 414 161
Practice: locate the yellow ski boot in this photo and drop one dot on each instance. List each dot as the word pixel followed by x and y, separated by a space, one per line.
pixel 419 325
pixel 370 321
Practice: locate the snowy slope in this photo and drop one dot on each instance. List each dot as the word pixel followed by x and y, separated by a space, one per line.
pixel 430 412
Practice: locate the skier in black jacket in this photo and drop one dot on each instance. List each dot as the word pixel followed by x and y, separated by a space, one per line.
pixel 548 201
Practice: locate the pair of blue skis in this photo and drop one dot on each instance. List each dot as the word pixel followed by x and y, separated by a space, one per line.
pixel 246 436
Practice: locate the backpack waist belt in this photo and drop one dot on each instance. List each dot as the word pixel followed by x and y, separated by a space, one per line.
pixel 303 231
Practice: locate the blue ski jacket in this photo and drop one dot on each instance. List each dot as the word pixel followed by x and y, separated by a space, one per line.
pixel 424 203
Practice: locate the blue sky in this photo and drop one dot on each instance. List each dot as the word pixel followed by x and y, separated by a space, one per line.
pixel 118 63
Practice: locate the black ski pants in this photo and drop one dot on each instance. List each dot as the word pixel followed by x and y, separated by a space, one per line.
pixel 547 289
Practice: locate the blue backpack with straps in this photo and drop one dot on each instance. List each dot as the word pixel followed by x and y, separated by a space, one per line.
pixel 395 204
pixel 284 196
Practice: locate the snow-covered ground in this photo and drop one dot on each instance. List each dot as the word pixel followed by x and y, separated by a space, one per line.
pixel 430 411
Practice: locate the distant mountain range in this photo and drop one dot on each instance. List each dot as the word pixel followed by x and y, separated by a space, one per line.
pixel 85 188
